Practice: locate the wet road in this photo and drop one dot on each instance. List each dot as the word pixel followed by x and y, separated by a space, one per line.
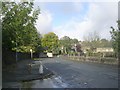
pixel 76 74
pixel 73 74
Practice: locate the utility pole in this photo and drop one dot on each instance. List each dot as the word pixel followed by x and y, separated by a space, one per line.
pixel 16 52
pixel 31 53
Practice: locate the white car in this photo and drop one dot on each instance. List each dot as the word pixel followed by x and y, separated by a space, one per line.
pixel 49 54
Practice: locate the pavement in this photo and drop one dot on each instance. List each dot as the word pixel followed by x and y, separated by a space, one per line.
pixel 21 72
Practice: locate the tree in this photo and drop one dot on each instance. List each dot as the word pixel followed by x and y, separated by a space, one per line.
pixel 115 34
pixel 65 44
pixel 74 41
pixel 18 26
pixel 105 43
pixel 50 42
pixel 92 40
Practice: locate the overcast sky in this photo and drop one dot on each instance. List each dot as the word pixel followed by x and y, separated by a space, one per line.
pixel 76 19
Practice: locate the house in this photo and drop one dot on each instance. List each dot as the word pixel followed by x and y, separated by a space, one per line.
pixel 104 50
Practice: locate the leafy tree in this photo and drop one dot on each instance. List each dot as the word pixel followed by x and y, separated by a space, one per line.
pixel 74 41
pixel 68 44
pixel 115 34
pixel 50 42
pixel 18 26
pixel 65 43
pixel 105 43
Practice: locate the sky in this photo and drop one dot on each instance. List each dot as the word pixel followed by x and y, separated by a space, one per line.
pixel 77 19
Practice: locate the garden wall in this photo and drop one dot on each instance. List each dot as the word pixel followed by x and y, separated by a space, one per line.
pixel 105 60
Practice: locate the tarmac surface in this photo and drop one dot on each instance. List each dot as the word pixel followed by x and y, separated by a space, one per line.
pixel 78 74
pixel 61 73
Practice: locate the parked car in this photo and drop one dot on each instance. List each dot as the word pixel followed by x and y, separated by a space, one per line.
pixel 49 54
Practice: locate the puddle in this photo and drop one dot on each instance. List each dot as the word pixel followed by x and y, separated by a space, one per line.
pixel 59 82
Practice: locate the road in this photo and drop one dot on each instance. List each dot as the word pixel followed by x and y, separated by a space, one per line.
pixel 76 74
pixel 72 74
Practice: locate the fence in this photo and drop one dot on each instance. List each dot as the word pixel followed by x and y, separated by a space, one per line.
pixel 105 60
pixel 10 57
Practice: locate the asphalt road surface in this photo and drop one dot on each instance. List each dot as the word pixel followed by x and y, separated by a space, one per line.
pixel 74 74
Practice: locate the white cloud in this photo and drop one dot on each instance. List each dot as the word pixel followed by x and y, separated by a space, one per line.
pixel 44 22
pixel 71 7
pixel 99 18
pixel 45 18
pixel 76 0
pixel 73 29
pixel 78 6
pixel 103 16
